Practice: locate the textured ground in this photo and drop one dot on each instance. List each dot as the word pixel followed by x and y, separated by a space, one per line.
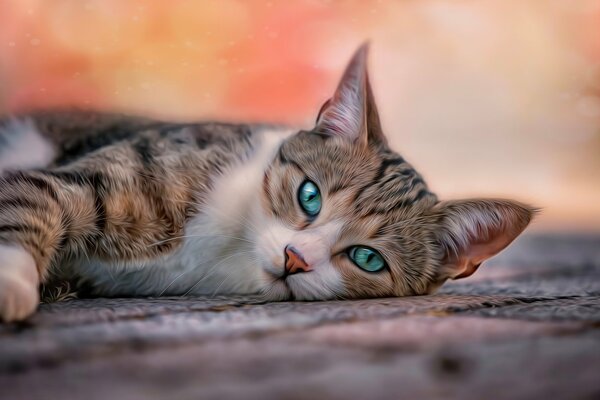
pixel 527 327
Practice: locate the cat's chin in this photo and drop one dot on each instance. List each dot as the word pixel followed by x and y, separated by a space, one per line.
pixel 277 290
pixel 280 288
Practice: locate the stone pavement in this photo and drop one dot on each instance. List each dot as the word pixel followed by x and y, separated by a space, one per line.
pixel 526 327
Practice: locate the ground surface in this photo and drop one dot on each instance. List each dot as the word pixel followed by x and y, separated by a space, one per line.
pixel 527 327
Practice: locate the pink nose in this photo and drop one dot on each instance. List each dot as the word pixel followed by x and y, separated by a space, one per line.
pixel 294 262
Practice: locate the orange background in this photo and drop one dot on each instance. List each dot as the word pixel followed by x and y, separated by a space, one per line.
pixel 484 98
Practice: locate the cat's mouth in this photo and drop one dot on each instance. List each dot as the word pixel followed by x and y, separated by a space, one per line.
pixel 279 287
pixel 279 278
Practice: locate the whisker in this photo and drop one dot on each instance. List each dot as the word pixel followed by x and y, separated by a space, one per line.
pixel 185 272
pixel 222 282
pixel 246 223
pixel 196 267
pixel 214 268
pixel 199 236
pixel 172 282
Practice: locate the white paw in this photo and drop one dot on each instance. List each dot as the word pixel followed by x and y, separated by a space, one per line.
pixel 19 281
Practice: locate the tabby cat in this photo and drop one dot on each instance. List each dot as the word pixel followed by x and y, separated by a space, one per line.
pixel 126 206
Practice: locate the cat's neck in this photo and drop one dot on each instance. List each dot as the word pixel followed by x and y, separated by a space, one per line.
pixel 239 188
pixel 224 230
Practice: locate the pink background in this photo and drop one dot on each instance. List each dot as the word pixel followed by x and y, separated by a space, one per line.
pixel 495 98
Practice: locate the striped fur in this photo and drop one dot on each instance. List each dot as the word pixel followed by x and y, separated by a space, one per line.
pixel 127 206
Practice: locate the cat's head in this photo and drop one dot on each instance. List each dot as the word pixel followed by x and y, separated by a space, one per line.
pixel 344 216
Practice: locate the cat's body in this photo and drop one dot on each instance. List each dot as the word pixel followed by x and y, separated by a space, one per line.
pixel 190 187
pixel 124 206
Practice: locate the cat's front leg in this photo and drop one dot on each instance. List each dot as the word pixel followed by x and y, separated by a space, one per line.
pixel 106 208
pixel 19 280
pixel 37 214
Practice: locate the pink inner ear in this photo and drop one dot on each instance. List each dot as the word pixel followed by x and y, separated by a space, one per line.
pixel 323 108
pixel 474 230
pixel 471 258
pixel 345 113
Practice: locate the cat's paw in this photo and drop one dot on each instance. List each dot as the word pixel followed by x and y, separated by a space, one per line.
pixel 19 296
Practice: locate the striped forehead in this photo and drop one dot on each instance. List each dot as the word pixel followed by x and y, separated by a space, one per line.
pixel 376 182
pixel 395 187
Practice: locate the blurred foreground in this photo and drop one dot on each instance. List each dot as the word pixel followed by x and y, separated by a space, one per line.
pixel 526 328
pixel 495 98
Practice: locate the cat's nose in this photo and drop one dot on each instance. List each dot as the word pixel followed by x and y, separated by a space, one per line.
pixel 294 262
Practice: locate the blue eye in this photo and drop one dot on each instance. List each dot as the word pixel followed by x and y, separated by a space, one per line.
pixel 309 198
pixel 366 258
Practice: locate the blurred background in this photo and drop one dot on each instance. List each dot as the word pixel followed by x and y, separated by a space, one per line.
pixel 495 98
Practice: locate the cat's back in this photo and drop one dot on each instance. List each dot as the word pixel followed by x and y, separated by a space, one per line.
pixel 42 138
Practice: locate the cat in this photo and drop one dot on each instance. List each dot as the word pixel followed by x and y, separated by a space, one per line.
pixel 128 206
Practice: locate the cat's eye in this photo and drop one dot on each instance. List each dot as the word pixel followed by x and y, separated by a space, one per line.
pixel 309 198
pixel 366 258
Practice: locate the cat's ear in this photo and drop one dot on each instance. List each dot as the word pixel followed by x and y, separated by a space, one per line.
pixel 351 112
pixel 471 231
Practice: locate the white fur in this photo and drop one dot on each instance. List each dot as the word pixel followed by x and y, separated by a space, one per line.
pixel 217 255
pixel 232 247
pixel 18 283
pixel 23 147
pixel 324 281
